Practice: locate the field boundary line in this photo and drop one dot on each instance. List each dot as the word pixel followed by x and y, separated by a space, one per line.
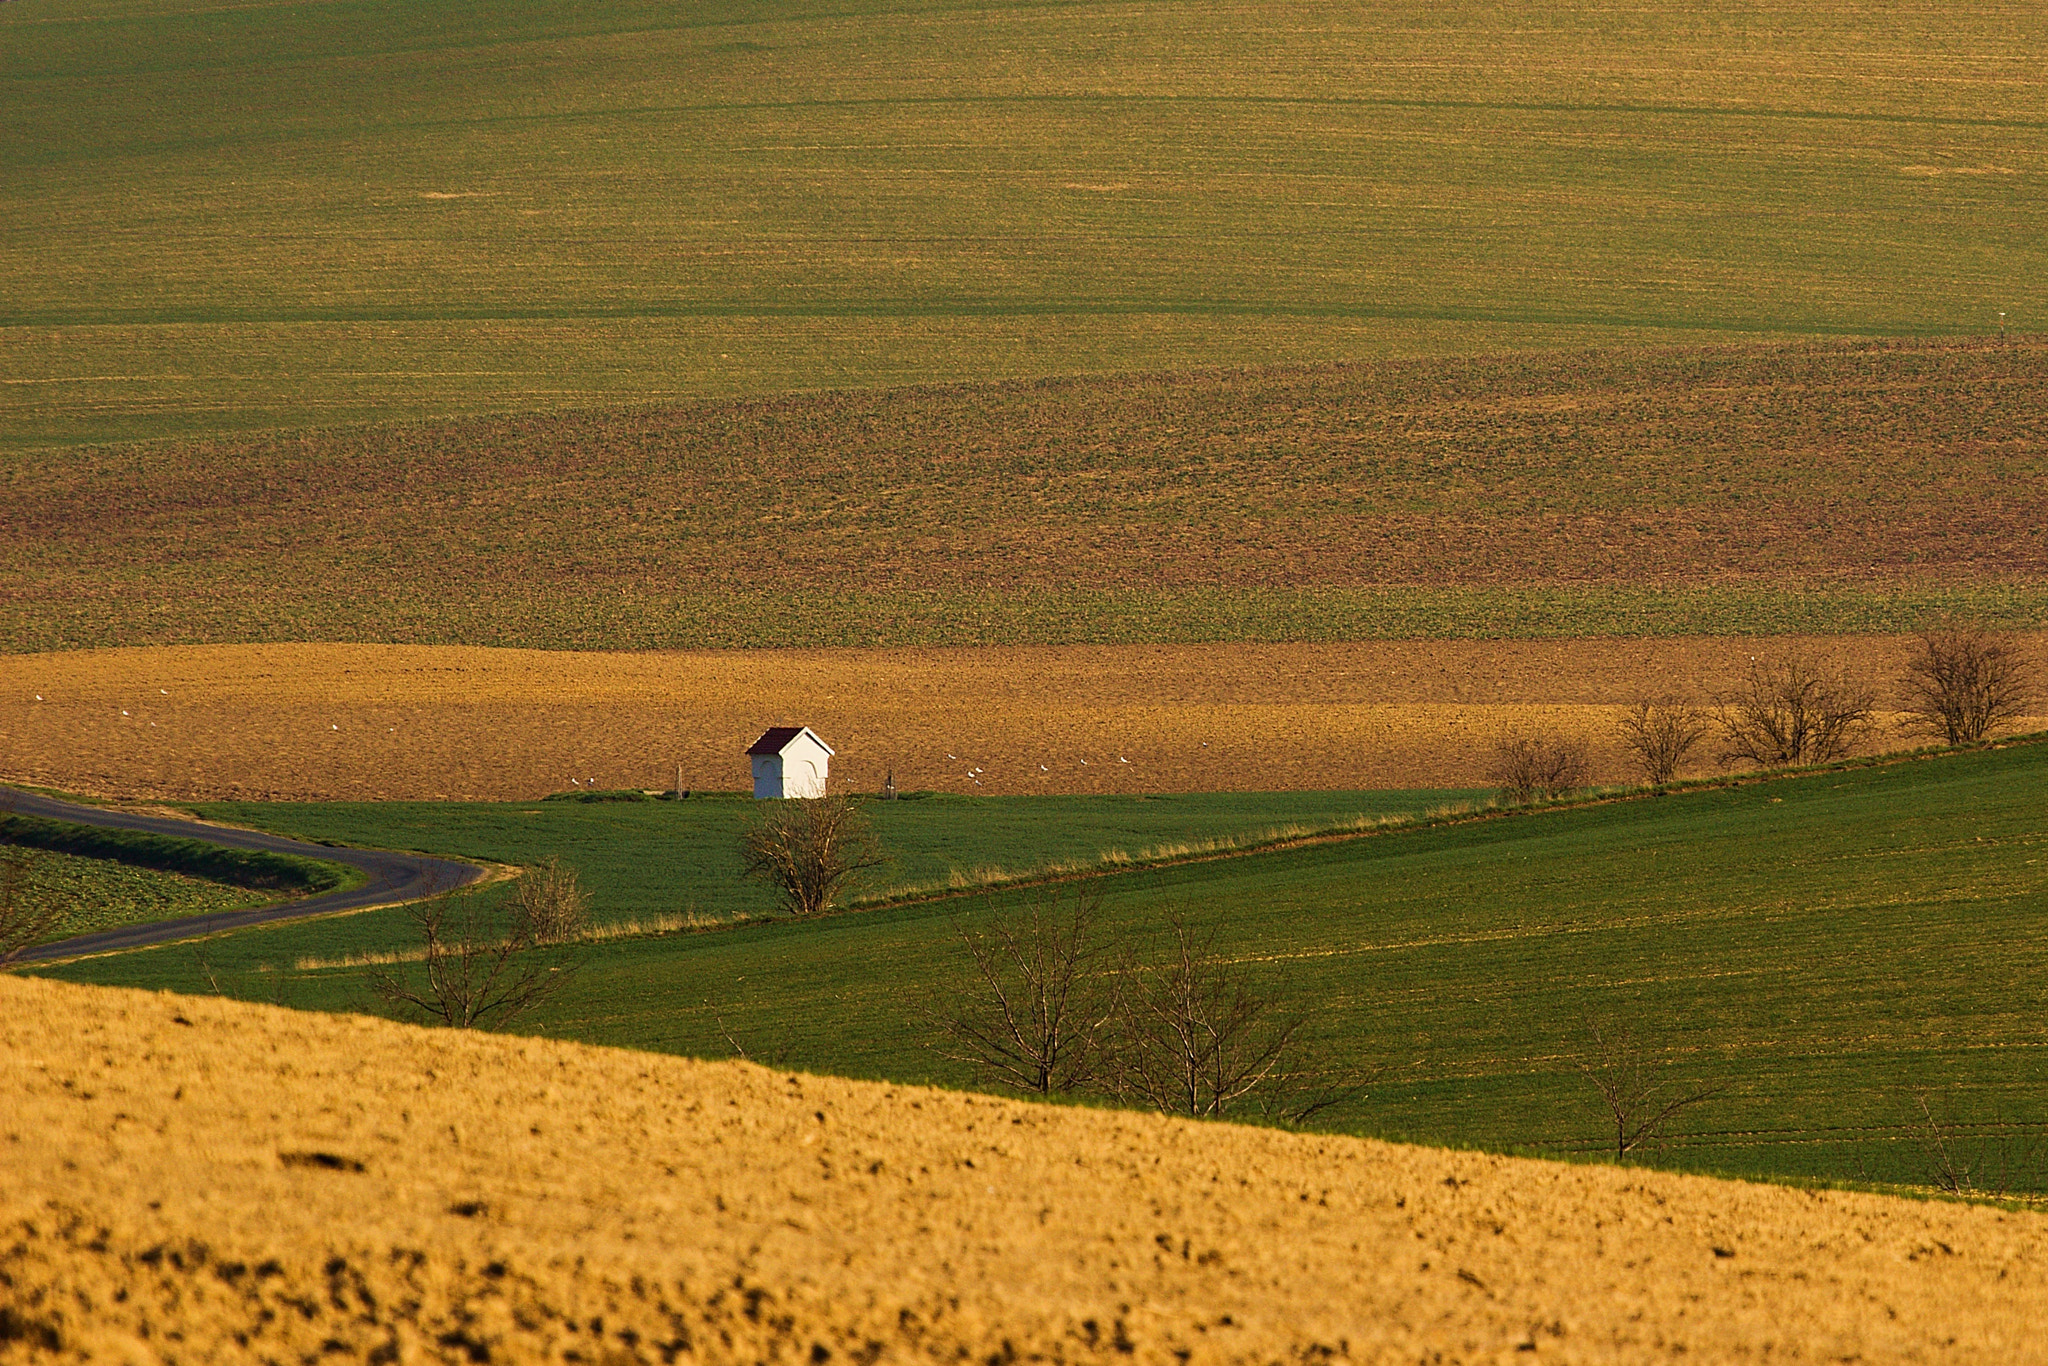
pixel 1393 826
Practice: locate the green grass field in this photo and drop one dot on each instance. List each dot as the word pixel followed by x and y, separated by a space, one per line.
pixel 641 860
pixel 99 894
pixel 215 219
pixel 1827 948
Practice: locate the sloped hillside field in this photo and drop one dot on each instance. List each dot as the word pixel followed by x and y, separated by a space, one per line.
pixel 1717 491
pixel 190 1178
pixel 1851 960
pixel 438 207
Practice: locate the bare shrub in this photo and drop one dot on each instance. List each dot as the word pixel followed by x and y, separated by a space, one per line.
pixel 1193 1036
pixel 1994 1160
pixel 1059 1005
pixel 1636 1099
pixel 23 922
pixel 1040 1012
pixel 551 908
pixel 1526 767
pixel 1964 683
pixel 1661 734
pixel 482 969
pixel 1792 713
pixel 810 850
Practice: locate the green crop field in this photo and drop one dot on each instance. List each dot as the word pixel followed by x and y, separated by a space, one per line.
pixel 91 894
pixel 217 218
pixel 1838 487
pixel 1831 950
pixel 644 860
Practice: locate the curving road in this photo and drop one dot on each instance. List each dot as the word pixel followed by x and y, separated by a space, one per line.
pixel 391 877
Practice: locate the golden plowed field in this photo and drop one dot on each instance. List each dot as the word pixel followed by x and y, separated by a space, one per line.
pixel 367 721
pixel 192 1179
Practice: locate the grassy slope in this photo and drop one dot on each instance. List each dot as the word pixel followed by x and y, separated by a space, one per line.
pixel 100 894
pixel 653 858
pixel 277 215
pixel 1823 947
pixel 1725 490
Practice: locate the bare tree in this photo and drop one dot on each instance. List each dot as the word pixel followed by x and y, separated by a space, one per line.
pixel 1792 713
pixel 24 922
pixel 1530 766
pixel 479 973
pixel 1965 682
pixel 1661 734
pixel 810 850
pixel 1993 1159
pixel 552 908
pixel 1039 1014
pixel 1638 1102
pixel 1195 1038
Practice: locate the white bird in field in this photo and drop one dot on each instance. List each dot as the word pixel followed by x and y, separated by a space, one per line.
pixel 165 691
pixel 1120 759
pixel 39 697
pixel 953 757
pixel 1043 769
pixel 124 711
pixel 334 728
pixel 1084 763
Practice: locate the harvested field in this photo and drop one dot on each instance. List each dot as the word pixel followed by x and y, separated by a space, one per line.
pixel 1720 491
pixel 188 1176
pixel 336 722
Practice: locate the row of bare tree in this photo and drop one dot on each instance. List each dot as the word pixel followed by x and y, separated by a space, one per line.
pixel 1962 684
pixel 1059 1004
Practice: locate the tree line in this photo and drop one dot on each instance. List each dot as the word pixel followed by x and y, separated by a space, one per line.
pixel 1961 685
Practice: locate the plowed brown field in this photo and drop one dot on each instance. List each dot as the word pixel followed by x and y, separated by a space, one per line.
pixel 190 1179
pixel 365 721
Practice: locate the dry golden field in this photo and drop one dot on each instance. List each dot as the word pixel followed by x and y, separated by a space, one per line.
pixel 308 722
pixel 192 1179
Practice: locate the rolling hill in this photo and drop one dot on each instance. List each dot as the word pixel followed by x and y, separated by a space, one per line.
pixel 1853 957
pixel 278 216
pixel 190 1177
pixel 1727 490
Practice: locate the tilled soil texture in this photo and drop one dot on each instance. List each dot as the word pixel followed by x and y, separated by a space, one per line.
pixel 314 722
pixel 192 1178
pixel 1729 490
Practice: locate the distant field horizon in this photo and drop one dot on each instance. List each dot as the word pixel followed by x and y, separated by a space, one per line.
pixel 276 218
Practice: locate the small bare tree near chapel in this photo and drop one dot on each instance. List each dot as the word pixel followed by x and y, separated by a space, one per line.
pixel 810 849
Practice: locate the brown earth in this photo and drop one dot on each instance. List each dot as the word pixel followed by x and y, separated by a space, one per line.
pixel 309 722
pixel 193 1179
pixel 1843 487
